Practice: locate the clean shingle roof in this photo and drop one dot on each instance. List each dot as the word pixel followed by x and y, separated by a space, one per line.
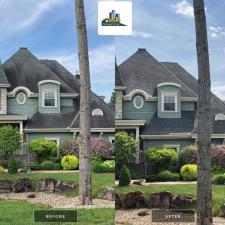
pixel 143 71
pixel 3 78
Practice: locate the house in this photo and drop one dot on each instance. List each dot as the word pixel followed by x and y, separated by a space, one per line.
pixel 41 98
pixel 157 103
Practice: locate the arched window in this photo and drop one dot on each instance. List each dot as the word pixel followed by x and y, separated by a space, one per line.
pixel 97 112
pixel 220 116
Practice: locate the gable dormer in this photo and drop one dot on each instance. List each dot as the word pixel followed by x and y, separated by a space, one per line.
pixel 4 84
pixel 169 100
pixel 49 96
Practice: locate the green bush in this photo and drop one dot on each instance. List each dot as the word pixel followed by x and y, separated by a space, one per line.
pixel 44 149
pixel 2 169
pixel 124 176
pixel 152 178
pixel 14 165
pixel 216 169
pixel 187 155
pixel 166 175
pixel 69 162
pixel 10 142
pixel 162 158
pixel 125 147
pixel 189 172
pixel 57 166
pixel 95 160
pixel 47 165
pixel 219 179
pixel 107 166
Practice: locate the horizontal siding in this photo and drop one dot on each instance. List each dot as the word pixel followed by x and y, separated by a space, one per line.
pixel 66 102
pixel 145 113
pixel 187 106
pixel 28 108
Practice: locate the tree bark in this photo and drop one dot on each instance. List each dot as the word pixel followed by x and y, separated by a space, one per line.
pixel 204 119
pixel 85 183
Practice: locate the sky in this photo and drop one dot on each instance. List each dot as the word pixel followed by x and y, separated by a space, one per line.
pixel 166 29
pixel 47 28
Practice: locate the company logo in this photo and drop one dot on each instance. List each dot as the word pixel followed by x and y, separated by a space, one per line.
pixel 113 20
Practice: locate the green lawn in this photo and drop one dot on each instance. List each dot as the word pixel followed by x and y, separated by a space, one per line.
pixel 183 189
pixel 21 213
pixel 99 179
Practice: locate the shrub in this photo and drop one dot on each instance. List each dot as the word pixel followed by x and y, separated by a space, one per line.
pixel 218 155
pixel 219 179
pixel 69 147
pixel 10 142
pixel 161 157
pixel 47 165
pixel 14 165
pixel 216 169
pixel 57 166
pixel 2 169
pixel 124 176
pixel 188 155
pixel 166 175
pixel 95 160
pixel 101 147
pixel 152 178
pixel 125 147
pixel 69 162
pixel 107 166
pixel 189 172
pixel 44 149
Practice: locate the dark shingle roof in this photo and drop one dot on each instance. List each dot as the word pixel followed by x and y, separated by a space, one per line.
pixel 24 69
pixel 118 80
pixel 143 71
pixel 158 126
pixel 219 127
pixel 3 78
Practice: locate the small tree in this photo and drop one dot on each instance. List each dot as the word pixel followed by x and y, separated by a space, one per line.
pixel 69 147
pixel 101 147
pixel 10 142
pixel 124 176
pixel 125 147
pixel 112 99
pixel 44 149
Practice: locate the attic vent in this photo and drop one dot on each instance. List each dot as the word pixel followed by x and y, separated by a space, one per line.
pixel 220 116
pixel 97 112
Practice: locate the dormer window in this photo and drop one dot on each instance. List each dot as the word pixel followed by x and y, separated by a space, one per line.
pixel 97 112
pixel 50 98
pixel 169 102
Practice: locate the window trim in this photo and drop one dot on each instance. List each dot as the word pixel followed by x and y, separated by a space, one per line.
pixel 17 98
pixel 55 98
pixel 173 146
pixel 163 94
pixel 134 102
pixel 57 139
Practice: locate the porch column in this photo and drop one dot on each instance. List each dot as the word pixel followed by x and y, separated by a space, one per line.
pixel 21 127
pixel 137 149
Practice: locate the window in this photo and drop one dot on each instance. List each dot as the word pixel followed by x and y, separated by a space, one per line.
pixel 21 98
pixel 50 99
pixel 138 102
pixel 175 147
pixel 169 102
pixel 97 112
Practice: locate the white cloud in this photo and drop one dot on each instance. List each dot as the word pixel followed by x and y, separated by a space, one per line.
pixel 184 8
pixel 141 34
pixel 216 31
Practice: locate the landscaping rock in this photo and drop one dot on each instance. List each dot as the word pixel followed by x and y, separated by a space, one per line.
pixel 22 171
pixel 46 185
pixel 22 185
pixel 137 182
pixel 32 195
pixel 143 212
pixel 65 187
pixel 161 200
pixel 183 202
pixel 134 200
pixel 118 201
pixel 107 194
pixel 5 186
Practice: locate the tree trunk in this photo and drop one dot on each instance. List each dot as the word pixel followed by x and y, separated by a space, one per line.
pixel 85 185
pixel 204 185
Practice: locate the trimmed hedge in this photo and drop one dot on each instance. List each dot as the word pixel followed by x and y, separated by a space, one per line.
pixel 219 179
pixel 189 172
pixel 69 162
pixel 107 166
pixel 168 176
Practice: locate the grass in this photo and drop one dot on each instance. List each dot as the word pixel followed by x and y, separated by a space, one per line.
pixel 21 213
pixel 99 179
pixel 218 193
